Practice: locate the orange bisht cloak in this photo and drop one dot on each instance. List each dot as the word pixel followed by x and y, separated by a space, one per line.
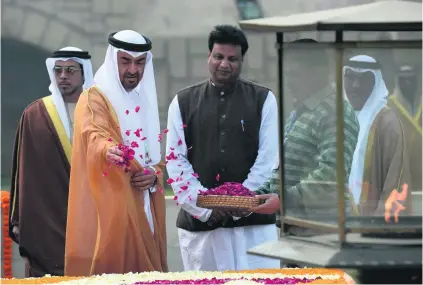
pixel 107 228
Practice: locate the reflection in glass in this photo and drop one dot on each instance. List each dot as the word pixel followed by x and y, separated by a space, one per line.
pixel 310 146
pixel 385 178
pixel 382 138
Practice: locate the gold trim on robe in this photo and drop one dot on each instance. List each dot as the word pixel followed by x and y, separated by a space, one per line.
pixel 413 120
pixel 58 125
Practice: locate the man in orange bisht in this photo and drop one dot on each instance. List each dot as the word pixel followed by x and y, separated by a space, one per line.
pixel 116 214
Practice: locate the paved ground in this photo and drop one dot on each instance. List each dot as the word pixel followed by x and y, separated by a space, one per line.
pixel 174 256
pixel 173 252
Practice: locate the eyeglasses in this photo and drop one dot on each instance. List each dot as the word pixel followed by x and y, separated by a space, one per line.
pixel 69 70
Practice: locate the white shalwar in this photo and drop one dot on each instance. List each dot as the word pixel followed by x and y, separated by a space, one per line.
pixel 223 248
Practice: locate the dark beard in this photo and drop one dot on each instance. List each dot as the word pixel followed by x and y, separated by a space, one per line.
pixel 409 93
pixel 68 92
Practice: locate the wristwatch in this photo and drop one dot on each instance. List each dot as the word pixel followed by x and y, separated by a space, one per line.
pixel 155 175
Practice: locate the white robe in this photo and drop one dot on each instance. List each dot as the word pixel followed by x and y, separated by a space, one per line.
pixel 223 248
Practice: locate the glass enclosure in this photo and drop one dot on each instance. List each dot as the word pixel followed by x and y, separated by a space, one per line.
pixel 351 135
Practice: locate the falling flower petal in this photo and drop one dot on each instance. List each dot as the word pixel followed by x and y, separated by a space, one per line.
pixel 172 148
pixel 171 156
pixel 195 175
pixel 128 132
pixel 170 181
pixel 144 138
pixel 161 190
pixel 165 131
pixel 184 126
pixel 158 172
pixel 137 132
pixel 190 148
pixel 134 144
pixel 166 162
pixel 127 112
pixel 109 139
pixel 137 108
pixel 146 171
pixel 104 173
pixel 180 142
pixel 195 217
pixel 184 187
pixel 142 157
pixel 218 177
pixel 175 198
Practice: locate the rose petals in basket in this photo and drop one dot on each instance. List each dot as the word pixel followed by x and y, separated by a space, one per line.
pixel 227 202
pixel 230 195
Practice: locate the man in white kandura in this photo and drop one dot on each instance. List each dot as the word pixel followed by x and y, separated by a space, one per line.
pixel 224 129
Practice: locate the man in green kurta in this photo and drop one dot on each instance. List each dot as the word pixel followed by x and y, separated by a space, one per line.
pixel 310 141
pixel 41 165
pixel 380 171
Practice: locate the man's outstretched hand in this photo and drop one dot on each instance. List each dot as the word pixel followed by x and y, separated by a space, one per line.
pixel 270 206
pixel 114 155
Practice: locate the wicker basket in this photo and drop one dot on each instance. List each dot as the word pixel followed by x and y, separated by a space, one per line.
pixel 227 202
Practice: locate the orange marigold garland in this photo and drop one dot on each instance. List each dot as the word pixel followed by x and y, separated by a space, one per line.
pixel 7 241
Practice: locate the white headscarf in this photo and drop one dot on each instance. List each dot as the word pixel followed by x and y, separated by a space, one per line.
pixel 143 96
pixel 374 104
pixel 55 92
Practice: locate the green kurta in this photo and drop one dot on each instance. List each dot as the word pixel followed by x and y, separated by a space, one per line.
pixel 310 157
